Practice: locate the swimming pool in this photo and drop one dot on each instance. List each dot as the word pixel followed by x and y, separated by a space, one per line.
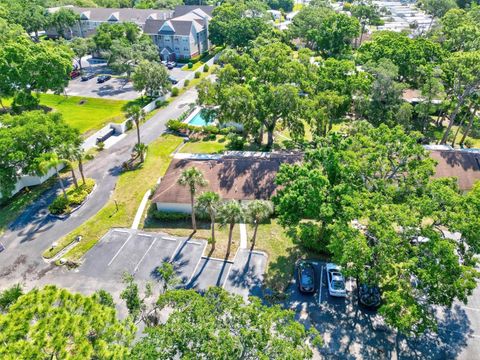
pixel 198 120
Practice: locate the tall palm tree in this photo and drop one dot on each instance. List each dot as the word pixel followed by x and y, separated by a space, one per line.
pixel 229 213
pixel 192 177
pixel 49 161
pixel 256 212
pixel 137 115
pixel 80 154
pixel 68 153
pixel 209 202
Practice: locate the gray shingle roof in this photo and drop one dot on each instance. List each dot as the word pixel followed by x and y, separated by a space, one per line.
pixel 184 9
pixel 126 14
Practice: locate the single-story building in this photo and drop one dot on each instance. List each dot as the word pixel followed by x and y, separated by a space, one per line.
pixel 242 176
pixel 462 164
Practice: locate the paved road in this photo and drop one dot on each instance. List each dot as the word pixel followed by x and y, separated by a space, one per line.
pixel 351 332
pixel 35 230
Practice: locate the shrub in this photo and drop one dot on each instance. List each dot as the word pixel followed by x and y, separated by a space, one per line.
pixel 160 103
pixel 468 143
pixel 197 75
pixel 210 129
pixel 190 65
pixel 186 83
pixel 176 125
pixel 100 145
pixel 227 130
pixel 235 142
pixel 175 91
pixel 170 216
pixel 129 125
pixel 59 205
pixel 206 68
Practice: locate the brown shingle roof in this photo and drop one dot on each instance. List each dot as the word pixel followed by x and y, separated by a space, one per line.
pixel 463 165
pixel 232 177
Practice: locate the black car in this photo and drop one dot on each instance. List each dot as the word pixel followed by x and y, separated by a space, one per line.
pixel 87 77
pixel 173 80
pixel 369 296
pixel 305 277
pixel 103 78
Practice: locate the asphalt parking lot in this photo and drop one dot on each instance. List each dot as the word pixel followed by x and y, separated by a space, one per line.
pixel 351 332
pixel 115 88
pixel 140 253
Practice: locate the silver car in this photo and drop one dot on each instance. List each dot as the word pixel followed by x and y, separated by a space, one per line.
pixel 336 281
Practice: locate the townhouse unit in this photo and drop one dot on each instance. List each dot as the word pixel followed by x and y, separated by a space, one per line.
pixel 183 36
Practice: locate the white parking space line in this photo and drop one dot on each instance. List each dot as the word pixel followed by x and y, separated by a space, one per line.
pixel 174 254
pixel 194 242
pixel 320 287
pixel 119 250
pixel 121 231
pixel 168 238
pixel 143 257
pixel 196 266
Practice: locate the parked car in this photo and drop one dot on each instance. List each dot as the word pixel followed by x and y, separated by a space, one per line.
pixel 87 77
pixel 336 281
pixel 369 296
pixel 173 80
pixel 75 73
pixel 171 65
pixel 305 277
pixel 103 78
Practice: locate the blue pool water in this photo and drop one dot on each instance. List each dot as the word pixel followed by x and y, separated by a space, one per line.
pixel 198 120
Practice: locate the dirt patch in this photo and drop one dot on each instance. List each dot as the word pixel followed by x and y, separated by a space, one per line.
pixel 21 260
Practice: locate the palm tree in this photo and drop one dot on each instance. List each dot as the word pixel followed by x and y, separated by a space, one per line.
pixel 140 150
pixel 192 177
pixel 80 154
pixel 68 153
pixel 137 115
pixel 230 213
pixel 256 212
pixel 209 202
pixel 49 161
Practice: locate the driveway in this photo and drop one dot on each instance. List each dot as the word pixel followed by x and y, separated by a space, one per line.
pixel 352 332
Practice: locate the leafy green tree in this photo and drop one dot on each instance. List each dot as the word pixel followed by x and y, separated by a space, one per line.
pixel 438 8
pixel 53 323
pixel 367 14
pixel 69 153
pixel 369 200
pixel 256 212
pixel 237 22
pixel 107 33
pixel 105 298
pixel 307 22
pixel 230 213
pixel 192 178
pixel 26 139
pixel 166 272
pixel 285 5
pixel 62 20
pixel 81 47
pixel 152 78
pixel 218 325
pixel 209 202
pixel 461 80
pixel 131 295
pixel 458 30
pixel 139 151
pixel 30 14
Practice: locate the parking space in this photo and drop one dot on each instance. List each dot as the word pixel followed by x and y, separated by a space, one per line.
pixel 210 272
pixel 115 88
pixel 188 258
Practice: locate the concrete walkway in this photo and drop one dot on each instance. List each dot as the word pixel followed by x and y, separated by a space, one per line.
pixel 141 210
pixel 243 236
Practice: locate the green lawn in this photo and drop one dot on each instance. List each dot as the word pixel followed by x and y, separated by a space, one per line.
pixel 130 189
pixel 205 147
pixel 84 114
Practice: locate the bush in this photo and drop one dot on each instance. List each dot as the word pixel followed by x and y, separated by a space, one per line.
pixel 160 103
pixel 176 125
pixel 235 142
pixel 197 75
pixel 190 65
pixel 468 143
pixel 59 205
pixel 170 216
pixel 186 83
pixel 100 145
pixel 206 68
pixel 175 91
pixel 308 234
pixel 210 129
pixel 129 125
pixel 227 130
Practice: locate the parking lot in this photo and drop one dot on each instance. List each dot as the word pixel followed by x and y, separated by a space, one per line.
pixel 350 331
pixel 115 88
pixel 140 253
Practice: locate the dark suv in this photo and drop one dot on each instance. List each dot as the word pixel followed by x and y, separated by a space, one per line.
pixel 305 277
pixel 103 78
